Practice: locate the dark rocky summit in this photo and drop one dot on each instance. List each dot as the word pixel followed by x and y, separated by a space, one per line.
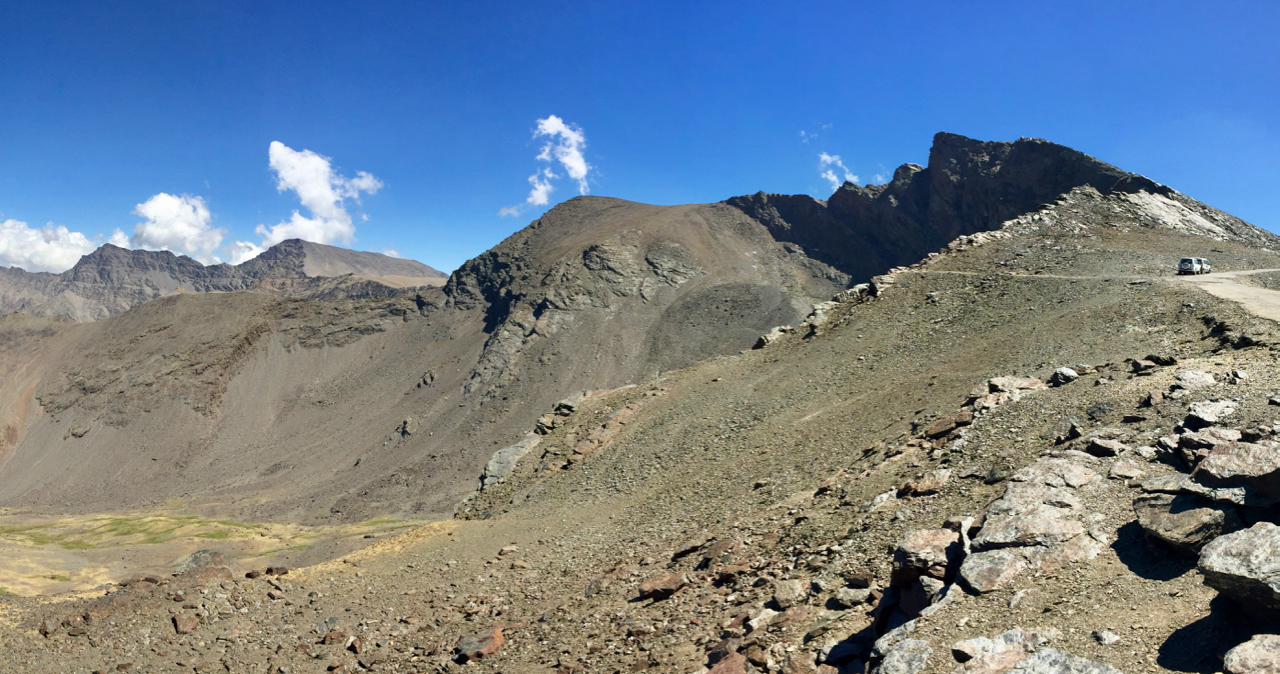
pixel 969 186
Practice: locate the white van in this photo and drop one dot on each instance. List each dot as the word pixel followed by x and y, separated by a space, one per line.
pixel 1194 265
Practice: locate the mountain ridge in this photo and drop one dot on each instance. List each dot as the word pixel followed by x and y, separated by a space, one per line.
pixel 112 279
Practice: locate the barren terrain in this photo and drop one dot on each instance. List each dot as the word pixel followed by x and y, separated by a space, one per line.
pixel 800 507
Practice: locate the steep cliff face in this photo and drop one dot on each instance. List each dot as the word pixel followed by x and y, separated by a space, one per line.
pixel 969 186
pixel 111 279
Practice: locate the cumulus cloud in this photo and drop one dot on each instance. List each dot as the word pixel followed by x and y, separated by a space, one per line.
pixel 322 192
pixel 565 145
pixel 831 162
pixel 181 224
pixel 52 248
pixel 243 251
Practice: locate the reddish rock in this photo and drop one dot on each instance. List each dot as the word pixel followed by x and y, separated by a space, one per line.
pixel 1105 447
pixel 941 427
pixel 926 552
pixel 480 645
pixel 926 484
pixel 663 586
pixel 185 623
pixel 719 552
pixel 735 663
pixel 334 637
pixel 791 617
pixel 800 664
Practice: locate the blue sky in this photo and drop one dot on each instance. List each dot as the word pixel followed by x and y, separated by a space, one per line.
pixel 158 119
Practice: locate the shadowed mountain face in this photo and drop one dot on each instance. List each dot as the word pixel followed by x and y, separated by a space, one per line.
pixel 969 186
pixel 113 279
pixel 270 407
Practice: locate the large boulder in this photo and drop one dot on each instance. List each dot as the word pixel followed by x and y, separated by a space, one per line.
pixel 1043 526
pixel 1191 380
pixel 1259 655
pixel 1245 566
pixel 1207 413
pixel 1012 384
pixel 1243 464
pixel 1185 522
pixel 991 570
pixel 1051 661
pixel 926 552
pixel 905 657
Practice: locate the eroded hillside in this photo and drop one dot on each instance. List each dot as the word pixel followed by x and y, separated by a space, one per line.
pixel 890 483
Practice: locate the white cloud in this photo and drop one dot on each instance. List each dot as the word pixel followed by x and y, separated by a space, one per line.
pixel 321 191
pixel 180 224
pixel 805 136
pixel 565 146
pixel 51 248
pixel 391 252
pixel 243 251
pixel 830 162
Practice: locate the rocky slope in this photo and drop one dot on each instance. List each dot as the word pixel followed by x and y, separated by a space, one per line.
pixel 800 507
pixel 262 407
pixel 110 280
pixel 892 486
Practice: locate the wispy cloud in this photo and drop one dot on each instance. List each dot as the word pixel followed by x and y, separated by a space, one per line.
pixel 565 145
pixel 181 224
pixel 827 165
pixel 321 191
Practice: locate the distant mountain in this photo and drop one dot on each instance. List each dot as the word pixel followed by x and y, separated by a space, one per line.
pixel 111 279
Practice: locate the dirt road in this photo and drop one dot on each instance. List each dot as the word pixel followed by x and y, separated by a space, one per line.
pixel 1259 301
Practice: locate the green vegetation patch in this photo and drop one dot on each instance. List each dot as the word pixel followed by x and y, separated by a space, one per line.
pixel 126 530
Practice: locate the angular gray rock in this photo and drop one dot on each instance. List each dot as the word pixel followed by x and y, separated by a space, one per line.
pixel 1126 469
pixel 1191 380
pixel 1185 522
pixel 504 460
pixel 1243 464
pixel 1207 413
pixel 1063 375
pixel 1106 447
pixel 1024 497
pixel 1043 526
pixel 905 657
pixel 1259 655
pixel 991 570
pixel 1245 566
pixel 1056 472
pixel 1051 661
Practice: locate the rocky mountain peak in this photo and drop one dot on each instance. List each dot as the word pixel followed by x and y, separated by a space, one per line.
pixel 112 279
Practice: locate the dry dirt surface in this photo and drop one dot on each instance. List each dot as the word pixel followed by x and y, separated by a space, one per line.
pixel 888 484
pixel 1236 286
